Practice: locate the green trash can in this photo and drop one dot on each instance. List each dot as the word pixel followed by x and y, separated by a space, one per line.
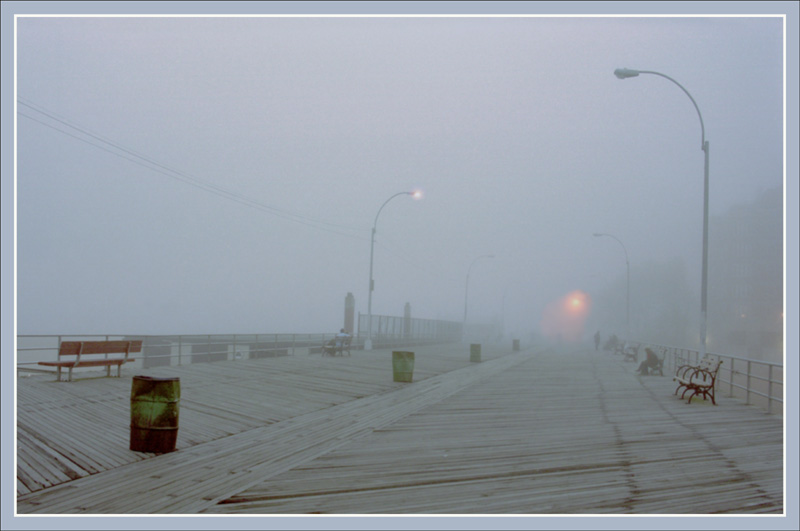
pixel 475 353
pixel 154 414
pixel 516 345
pixel 402 365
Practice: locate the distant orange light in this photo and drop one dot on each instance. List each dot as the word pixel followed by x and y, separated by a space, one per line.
pixel 576 301
pixel 563 319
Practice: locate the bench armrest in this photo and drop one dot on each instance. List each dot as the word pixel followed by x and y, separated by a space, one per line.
pixel 681 371
pixel 703 375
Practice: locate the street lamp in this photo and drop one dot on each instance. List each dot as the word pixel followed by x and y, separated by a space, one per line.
pixel 466 291
pixel 624 73
pixel 628 290
pixel 416 195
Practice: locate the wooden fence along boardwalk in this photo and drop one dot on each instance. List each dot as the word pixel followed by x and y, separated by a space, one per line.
pixel 531 432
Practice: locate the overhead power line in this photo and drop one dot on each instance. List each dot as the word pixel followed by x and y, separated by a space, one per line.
pixel 119 150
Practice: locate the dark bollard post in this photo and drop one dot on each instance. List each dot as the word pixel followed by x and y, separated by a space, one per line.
pixel 475 352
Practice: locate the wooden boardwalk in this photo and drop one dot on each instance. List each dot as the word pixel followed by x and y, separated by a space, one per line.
pixel 532 432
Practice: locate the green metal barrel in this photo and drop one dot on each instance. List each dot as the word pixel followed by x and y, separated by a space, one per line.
pixel 155 405
pixel 402 365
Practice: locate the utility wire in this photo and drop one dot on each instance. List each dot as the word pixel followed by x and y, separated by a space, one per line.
pixel 153 165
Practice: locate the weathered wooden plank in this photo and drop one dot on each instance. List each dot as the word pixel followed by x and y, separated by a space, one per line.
pixel 357 480
pixel 572 433
pixel 311 436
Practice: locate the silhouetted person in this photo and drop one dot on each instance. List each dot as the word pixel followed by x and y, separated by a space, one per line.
pixel 336 344
pixel 340 337
pixel 596 339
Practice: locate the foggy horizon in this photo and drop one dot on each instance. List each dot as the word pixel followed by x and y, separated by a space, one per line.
pixel 222 175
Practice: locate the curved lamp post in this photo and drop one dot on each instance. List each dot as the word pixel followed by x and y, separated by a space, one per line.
pixel 624 73
pixel 628 290
pixel 466 291
pixel 416 195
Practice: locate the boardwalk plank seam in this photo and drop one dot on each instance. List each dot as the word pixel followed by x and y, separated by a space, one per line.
pixel 308 460
pixel 238 453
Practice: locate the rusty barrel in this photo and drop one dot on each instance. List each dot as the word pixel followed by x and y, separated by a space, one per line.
pixel 475 352
pixel 154 413
pixel 402 365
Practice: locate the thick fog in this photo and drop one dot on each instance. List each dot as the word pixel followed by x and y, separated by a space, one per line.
pixel 223 175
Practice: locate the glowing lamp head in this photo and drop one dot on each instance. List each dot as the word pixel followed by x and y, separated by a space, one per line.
pixel 416 194
pixel 625 73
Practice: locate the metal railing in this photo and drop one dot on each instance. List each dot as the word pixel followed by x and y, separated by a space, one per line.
pixel 388 330
pixel 176 350
pixel 758 382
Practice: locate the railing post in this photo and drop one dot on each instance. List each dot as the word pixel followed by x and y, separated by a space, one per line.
pixel 747 400
pixel 769 400
pixel 293 342
pixel 730 393
pixel 180 351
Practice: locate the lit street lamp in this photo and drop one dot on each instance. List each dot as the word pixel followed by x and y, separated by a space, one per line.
pixel 416 195
pixel 624 73
pixel 466 291
pixel 628 290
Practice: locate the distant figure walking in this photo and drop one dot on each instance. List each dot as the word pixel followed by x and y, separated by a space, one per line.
pixel 650 364
pixel 597 340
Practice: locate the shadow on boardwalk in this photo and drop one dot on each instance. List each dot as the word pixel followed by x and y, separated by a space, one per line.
pixel 532 432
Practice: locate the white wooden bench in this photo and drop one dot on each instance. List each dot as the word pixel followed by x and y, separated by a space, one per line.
pixel 700 379
pixel 628 352
pixel 73 354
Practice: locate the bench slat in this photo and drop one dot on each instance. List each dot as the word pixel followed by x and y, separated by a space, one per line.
pixel 84 363
pixel 72 348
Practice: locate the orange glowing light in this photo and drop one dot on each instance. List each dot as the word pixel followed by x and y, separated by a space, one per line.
pixel 564 319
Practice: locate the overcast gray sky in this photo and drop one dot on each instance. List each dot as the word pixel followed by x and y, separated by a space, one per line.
pixel 273 142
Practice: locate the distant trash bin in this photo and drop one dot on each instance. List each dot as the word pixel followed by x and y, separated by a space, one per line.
pixel 516 345
pixel 154 414
pixel 475 352
pixel 402 365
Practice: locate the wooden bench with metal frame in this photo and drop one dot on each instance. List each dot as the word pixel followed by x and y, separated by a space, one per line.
pixel 700 379
pixel 86 354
